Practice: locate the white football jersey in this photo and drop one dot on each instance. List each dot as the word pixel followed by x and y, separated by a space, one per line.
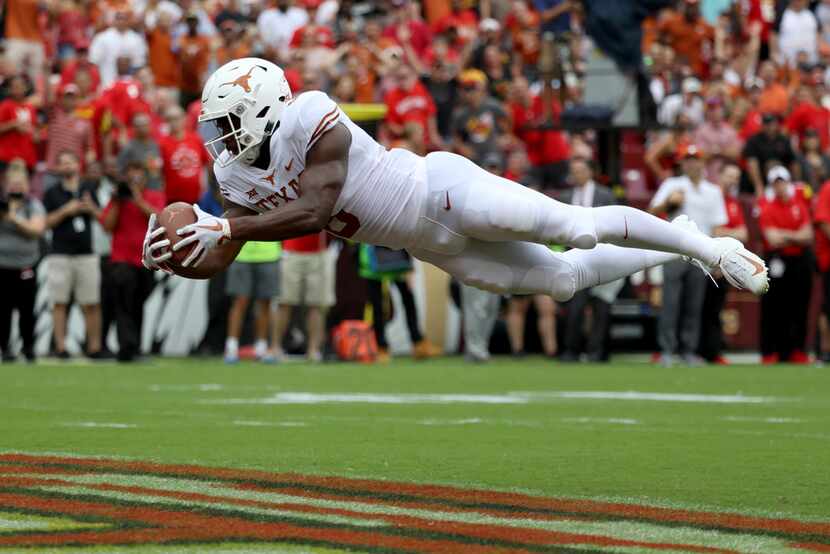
pixel 381 200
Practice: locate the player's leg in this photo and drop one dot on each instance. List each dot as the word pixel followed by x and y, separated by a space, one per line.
pixel 481 205
pixel 530 268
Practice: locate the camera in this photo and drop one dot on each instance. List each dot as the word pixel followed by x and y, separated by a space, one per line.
pixel 4 205
pixel 124 191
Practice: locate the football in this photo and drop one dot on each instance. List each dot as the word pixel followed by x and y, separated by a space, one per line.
pixel 172 218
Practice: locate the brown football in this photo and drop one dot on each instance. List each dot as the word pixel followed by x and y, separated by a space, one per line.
pixel 172 218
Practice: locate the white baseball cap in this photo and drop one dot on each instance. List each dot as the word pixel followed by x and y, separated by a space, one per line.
pixel 778 172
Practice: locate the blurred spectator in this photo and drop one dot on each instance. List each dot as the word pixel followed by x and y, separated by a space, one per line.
pixel 17 126
pixel 555 15
pixel 276 27
pixel 765 146
pixel 161 55
pixel 235 42
pixel 480 125
pixel 798 32
pixel 183 160
pixel 142 149
pixel 411 111
pixel 821 218
pixel 774 98
pixel 661 154
pixel 547 148
pixel 684 284
pixel 193 52
pixel 408 30
pixel 687 101
pixel 253 275
pixel 67 131
pixel 788 233
pixel 711 334
pixel 74 67
pixel 809 115
pixel 717 139
pixel 23 223
pixel 588 193
pixel 517 308
pixel 307 279
pixel 688 34
pixel 125 217
pixel 813 161
pixel 115 42
pixel 74 270
pixel 383 266
pixel 480 311
pixel 23 36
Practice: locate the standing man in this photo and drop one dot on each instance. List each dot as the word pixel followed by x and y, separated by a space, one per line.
pixel 711 333
pixel 307 279
pixel 587 193
pixel 684 286
pixel 253 275
pixel 74 270
pixel 142 149
pixel 126 217
pixel 788 233
pixel 480 126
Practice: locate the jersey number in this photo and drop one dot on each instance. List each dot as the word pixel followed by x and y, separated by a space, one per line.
pixel 343 224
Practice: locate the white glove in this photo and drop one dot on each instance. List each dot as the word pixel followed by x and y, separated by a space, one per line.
pixel 208 231
pixel 151 252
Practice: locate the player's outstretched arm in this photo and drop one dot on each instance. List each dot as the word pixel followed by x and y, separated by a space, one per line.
pixel 327 164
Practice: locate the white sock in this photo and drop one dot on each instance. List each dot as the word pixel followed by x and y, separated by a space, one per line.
pixel 606 262
pixel 260 348
pixel 629 227
pixel 232 346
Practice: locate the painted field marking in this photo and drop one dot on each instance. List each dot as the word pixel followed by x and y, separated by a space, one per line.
pixel 508 398
pixel 763 419
pixel 96 424
pixel 616 420
pixel 254 423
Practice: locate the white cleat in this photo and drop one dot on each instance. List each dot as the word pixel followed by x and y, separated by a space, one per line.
pixel 742 268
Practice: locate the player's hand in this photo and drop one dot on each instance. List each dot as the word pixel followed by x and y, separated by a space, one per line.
pixel 207 233
pixel 154 255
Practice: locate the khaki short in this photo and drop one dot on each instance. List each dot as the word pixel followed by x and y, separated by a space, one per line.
pixel 307 279
pixel 80 274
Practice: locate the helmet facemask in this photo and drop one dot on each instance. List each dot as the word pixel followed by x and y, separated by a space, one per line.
pixel 225 133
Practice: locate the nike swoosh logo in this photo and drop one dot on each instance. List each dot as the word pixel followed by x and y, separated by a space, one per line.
pixel 758 267
pixel 288 167
pixel 447 206
pixel 625 220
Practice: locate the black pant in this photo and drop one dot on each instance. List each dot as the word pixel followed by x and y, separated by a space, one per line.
pixel 784 307
pixel 133 285
pixel 19 288
pixel 375 290
pixel 711 329
pixel 109 295
pixel 597 344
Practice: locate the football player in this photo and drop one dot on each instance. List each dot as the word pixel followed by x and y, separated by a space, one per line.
pixel 289 166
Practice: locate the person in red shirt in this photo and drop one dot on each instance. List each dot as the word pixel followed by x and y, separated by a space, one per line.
pixel 787 233
pixel 405 27
pixel 319 34
pixel 711 343
pixel 547 149
pixel 125 218
pixel 79 64
pixel 821 219
pixel 411 111
pixel 17 126
pixel 184 158
pixel 307 278
pixel 809 115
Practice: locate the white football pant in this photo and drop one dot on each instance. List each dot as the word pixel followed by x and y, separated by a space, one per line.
pixel 492 233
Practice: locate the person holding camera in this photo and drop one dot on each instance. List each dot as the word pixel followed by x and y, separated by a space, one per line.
pixel 126 217
pixel 22 223
pixel 74 270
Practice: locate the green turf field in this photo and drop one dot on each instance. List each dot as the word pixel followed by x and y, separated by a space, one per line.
pixel 734 459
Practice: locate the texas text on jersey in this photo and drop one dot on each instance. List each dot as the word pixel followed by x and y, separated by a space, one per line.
pixel 381 198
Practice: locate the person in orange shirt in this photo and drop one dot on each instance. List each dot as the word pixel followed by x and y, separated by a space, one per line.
pixel 162 59
pixel 24 36
pixel 194 54
pixel 689 34
pixel 234 42
pixel 774 98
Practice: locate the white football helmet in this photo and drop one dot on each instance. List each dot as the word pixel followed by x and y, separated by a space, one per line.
pixel 241 105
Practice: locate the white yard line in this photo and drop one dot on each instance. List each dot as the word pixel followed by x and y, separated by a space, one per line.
pixel 94 424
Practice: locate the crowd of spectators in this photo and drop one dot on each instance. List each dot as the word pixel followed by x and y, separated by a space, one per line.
pixel 99 101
